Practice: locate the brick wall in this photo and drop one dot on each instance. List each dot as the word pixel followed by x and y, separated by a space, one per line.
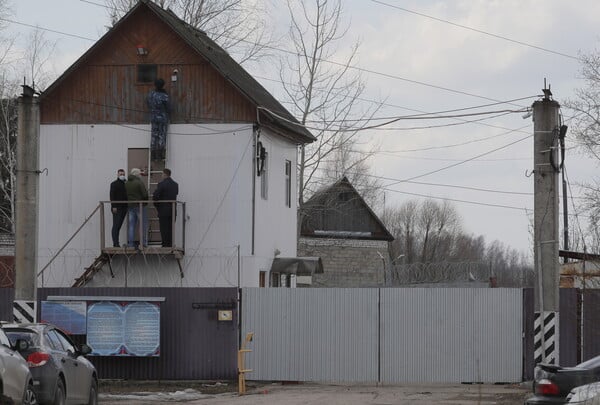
pixel 347 262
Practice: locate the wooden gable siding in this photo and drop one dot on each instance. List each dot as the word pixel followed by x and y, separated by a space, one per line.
pixel 103 87
pixel 340 209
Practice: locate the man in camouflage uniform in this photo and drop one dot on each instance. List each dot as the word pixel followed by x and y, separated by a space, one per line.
pixel 158 102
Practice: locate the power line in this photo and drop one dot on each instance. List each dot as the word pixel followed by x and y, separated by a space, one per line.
pixel 267 46
pixel 488 190
pixel 476 30
pixel 46 29
pixel 376 126
pixel 461 162
pixel 447 159
pixel 408 108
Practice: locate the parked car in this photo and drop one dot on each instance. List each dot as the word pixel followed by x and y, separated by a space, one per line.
pixel 553 383
pixel 16 382
pixel 61 373
pixel 588 394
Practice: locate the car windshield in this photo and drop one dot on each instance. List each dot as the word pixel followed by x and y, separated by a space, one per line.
pixel 31 337
pixel 591 363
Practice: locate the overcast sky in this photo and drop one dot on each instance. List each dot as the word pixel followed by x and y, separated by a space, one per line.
pixel 420 63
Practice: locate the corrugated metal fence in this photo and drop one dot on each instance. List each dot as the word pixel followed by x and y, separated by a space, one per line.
pixel 195 345
pixel 388 335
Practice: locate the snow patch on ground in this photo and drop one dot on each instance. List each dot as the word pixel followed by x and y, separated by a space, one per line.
pixel 177 396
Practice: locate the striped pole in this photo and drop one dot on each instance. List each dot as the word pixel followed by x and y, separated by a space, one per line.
pixel 24 311
pixel 546 338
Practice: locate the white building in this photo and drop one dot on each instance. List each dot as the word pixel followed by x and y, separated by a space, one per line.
pixel 238 205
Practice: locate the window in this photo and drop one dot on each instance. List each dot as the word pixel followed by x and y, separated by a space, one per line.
pixel 4 339
pixel 264 179
pixel 288 183
pixel 65 342
pixel 54 341
pixel 146 73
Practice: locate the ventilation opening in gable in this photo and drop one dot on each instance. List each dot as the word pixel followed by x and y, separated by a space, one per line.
pixel 146 73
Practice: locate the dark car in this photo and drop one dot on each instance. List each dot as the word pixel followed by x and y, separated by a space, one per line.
pixel 553 383
pixel 61 373
pixel 16 382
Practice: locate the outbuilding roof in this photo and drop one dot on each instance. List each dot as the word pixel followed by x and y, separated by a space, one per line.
pixel 339 211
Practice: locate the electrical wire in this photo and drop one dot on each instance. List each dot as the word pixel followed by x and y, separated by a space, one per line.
pixel 266 46
pixel 375 126
pixel 461 162
pixel 477 30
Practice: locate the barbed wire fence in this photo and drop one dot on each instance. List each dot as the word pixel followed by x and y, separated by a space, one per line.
pixel 462 273
pixel 208 267
pixel 7 272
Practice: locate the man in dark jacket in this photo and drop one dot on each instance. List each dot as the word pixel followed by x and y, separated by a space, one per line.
pixel 136 191
pixel 166 190
pixel 119 210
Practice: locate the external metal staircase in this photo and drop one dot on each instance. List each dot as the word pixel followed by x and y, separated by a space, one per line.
pixel 89 272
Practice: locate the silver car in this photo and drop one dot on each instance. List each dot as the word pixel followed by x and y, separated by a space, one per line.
pixel 61 373
pixel 16 382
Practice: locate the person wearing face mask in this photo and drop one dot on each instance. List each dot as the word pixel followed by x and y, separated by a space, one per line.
pixel 119 210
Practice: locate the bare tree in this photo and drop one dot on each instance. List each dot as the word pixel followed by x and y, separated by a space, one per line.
pixel 430 247
pixel 33 67
pixel 37 55
pixel 239 26
pixel 586 128
pixel 324 95
pixel 8 125
pixel 8 137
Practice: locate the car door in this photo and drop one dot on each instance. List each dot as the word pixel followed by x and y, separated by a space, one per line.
pixel 81 388
pixel 63 356
pixel 12 369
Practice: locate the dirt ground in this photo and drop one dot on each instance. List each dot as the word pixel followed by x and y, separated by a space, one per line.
pixel 225 392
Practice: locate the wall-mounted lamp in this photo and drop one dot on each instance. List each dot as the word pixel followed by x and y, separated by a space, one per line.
pixel 174 75
pixel 141 50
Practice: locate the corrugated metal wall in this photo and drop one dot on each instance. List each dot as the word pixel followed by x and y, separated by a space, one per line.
pixel 451 335
pixel 7 296
pixel 194 344
pixel 311 334
pixel 591 320
pixel 386 335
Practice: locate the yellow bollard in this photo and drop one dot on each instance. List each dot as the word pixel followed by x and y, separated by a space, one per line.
pixel 241 364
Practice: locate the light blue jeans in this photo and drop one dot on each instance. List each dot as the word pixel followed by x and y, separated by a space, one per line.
pixel 134 214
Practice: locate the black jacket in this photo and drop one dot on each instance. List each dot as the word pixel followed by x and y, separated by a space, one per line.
pixel 118 193
pixel 165 190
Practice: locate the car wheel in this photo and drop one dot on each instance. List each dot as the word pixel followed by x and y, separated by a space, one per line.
pixel 60 394
pixel 29 397
pixel 93 393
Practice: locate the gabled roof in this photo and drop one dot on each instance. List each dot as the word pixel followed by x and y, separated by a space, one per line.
pixel 339 211
pixel 281 120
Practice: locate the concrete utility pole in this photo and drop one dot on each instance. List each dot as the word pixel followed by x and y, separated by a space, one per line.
pixel 27 197
pixel 546 232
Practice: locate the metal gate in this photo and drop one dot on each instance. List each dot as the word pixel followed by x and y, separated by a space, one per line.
pixel 389 335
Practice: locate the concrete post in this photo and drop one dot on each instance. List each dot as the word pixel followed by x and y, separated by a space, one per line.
pixel 26 204
pixel 546 225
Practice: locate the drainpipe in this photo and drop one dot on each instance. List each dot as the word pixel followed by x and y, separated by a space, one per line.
pixel 255 135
